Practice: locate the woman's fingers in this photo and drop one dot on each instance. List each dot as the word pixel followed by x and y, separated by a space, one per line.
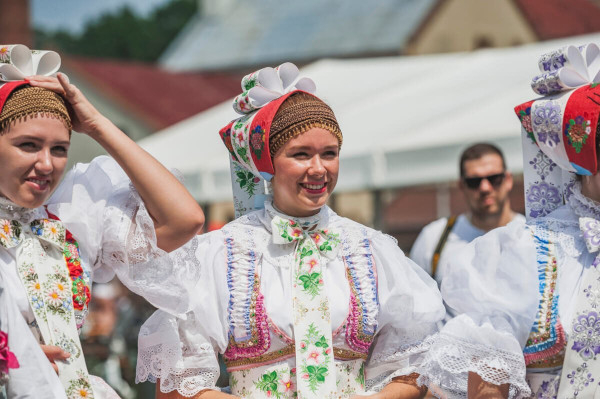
pixel 69 89
pixel 47 82
pixel 54 353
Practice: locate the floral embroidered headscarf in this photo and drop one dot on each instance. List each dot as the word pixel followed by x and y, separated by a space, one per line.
pixel 559 129
pixel 253 139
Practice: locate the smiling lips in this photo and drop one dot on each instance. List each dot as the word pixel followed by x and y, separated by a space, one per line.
pixel 39 184
pixel 315 188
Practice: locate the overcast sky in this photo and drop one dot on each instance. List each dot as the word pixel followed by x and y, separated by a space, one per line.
pixel 73 14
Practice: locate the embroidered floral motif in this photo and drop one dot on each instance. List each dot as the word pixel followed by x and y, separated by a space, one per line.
pixel 361 375
pixel 525 118
pixel 275 384
pixel 226 137
pixel 586 335
pixel 580 379
pixel 543 199
pixel 80 287
pixel 593 295
pixel 68 345
pixel 57 295
pixel 542 164
pixel 547 122
pixel 316 365
pixel 80 388
pixel 247 181
pixel 577 131
pixel 10 231
pixel 34 289
pixel 4 55
pixel 257 140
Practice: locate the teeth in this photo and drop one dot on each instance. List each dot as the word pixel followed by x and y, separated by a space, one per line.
pixel 314 186
pixel 40 182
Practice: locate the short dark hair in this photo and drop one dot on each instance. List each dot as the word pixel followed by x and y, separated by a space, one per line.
pixel 477 151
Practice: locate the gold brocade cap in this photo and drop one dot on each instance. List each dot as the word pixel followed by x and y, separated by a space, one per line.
pixel 27 101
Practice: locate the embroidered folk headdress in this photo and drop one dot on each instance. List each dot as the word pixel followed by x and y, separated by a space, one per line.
pixel 559 129
pixel 271 116
pixel 18 100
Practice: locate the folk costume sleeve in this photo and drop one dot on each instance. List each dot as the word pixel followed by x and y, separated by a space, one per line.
pixel 115 233
pixel 182 353
pixel 410 306
pixel 489 284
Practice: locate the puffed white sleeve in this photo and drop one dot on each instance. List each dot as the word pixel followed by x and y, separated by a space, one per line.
pixel 100 207
pixel 410 306
pixel 183 353
pixel 493 286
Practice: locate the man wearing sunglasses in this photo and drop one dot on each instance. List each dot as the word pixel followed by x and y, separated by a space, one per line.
pixel 486 186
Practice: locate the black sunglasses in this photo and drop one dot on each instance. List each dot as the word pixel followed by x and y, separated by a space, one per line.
pixel 474 182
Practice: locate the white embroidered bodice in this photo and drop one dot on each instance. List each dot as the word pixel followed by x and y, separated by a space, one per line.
pixel 244 293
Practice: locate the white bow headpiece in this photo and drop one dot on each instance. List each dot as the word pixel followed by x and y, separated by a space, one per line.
pixel 18 61
pixel 268 84
pixel 567 68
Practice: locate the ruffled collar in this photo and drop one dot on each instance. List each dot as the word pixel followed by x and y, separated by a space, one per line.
pixel 320 220
pixel 582 205
pixel 12 211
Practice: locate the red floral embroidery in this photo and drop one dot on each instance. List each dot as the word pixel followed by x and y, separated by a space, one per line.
pixel 80 289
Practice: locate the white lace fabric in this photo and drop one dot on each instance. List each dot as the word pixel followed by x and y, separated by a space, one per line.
pixel 99 205
pixel 183 353
pixel 494 286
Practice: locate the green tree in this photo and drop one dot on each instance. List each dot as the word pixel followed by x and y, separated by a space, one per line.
pixel 123 34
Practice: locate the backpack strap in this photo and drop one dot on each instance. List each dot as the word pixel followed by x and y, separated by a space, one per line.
pixel 440 245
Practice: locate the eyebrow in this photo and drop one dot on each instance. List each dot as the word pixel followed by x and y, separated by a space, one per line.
pixel 37 139
pixel 306 147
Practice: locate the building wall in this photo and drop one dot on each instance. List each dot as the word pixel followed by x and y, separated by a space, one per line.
pixel 465 25
pixel 14 22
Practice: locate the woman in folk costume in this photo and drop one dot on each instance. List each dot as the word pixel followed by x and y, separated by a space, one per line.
pixel 299 301
pixel 105 217
pixel 530 294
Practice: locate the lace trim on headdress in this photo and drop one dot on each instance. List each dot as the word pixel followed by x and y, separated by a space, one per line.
pixel 582 205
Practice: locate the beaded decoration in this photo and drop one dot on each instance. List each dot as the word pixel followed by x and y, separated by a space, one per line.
pixel 546 343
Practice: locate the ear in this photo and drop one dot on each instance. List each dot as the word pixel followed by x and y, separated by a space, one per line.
pixel 508 180
pixel 461 183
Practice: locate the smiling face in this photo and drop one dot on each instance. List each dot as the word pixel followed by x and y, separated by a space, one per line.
pixel 33 155
pixel 306 172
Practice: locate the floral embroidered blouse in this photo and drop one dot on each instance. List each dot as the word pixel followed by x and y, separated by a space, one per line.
pixel 382 307
pixel 515 289
pixel 107 231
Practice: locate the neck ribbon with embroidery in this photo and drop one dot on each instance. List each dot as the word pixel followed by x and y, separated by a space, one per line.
pixel 312 319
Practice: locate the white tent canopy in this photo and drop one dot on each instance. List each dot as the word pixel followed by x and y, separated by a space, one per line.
pixel 405 120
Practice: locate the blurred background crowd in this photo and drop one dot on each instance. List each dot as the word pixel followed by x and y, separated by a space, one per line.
pixel 412 82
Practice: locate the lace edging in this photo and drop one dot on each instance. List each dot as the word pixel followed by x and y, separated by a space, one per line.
pixel 449 360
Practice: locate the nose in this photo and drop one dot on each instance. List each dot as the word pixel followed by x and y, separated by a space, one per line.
pixel 485 185
pixel 316 166
pixel 43 163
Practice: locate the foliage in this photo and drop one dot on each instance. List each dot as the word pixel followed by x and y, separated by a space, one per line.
pixel 123 34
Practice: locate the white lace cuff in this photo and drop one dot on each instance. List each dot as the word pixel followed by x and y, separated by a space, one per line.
pixel 171 351
pixel 394 362
pixel 449 360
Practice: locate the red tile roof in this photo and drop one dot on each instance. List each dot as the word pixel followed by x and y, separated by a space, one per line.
pixel 551 19
pixel 158 97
